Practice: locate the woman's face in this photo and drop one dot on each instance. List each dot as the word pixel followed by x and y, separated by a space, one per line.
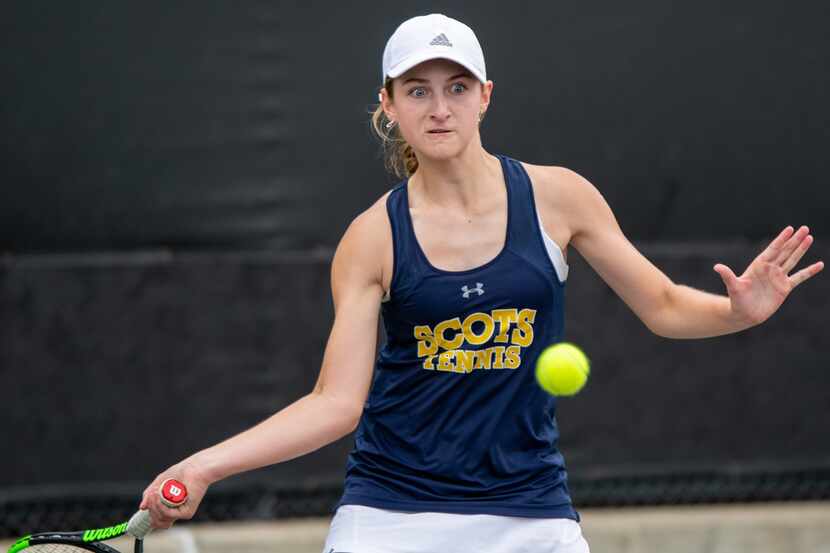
pixel 438 94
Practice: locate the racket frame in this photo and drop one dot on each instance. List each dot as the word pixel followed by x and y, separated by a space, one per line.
pixel 85 539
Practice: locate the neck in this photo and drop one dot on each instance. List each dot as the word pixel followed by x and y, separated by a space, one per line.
pixel 458 183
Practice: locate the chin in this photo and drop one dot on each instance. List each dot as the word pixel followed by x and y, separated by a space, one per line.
pixel 439 152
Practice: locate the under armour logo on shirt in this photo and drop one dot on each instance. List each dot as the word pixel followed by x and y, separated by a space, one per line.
pixel 467 291
pixel 441 40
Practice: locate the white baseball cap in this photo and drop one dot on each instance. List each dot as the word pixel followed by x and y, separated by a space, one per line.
pixel 426 37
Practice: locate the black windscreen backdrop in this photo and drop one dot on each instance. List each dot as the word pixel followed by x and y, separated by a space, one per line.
pixel 175 175
pixel 224 125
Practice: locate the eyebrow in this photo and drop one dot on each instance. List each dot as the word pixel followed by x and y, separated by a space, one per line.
pixel 416 80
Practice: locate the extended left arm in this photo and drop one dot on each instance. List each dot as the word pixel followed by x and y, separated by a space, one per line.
pixel 692 313
pixel 675 310
pixel 753 297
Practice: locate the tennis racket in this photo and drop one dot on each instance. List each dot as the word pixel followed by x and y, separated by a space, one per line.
pixel 171 492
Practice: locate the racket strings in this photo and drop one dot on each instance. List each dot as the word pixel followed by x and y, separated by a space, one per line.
pixel 55 548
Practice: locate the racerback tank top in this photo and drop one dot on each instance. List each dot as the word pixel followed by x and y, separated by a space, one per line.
pixel 455 421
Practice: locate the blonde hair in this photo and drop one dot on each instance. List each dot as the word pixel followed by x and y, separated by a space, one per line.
pixel 398 156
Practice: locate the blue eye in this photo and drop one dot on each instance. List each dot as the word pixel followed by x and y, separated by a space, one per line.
pixel 462 85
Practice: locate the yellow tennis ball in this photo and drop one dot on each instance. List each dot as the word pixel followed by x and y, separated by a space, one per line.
pixel 562 369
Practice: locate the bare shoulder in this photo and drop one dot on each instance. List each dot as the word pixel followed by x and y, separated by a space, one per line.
pixel 371 221
pixel 556 185
pixel 366 244
pixel 556 190
pixel 578 203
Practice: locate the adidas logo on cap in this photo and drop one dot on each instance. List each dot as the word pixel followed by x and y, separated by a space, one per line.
pixel 441 40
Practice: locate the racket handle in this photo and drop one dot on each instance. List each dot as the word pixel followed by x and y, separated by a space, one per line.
pixel 139 525
pixel 172 493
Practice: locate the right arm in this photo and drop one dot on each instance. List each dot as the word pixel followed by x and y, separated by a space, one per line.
pixel 331 410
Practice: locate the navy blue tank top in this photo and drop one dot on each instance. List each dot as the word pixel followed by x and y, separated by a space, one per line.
pixel 455 421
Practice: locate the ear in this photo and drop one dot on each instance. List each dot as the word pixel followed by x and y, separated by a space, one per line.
pixel 386 104
pixel 486 92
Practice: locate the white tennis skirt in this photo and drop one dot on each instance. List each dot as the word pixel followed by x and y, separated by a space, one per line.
pixel 363 529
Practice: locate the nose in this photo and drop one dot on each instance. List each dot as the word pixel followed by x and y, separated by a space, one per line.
pixel 440 109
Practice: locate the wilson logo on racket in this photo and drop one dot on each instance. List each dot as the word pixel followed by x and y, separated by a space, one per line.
pixel 104 533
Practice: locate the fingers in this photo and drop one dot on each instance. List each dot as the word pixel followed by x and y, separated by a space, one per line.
pixel 724 271
pixel 159 519
pixel 145 497
pixel 796 254
pixel 806 273
pixel 774 249
pixel 726 274
pixel 790 253
pixel 162 516
pixel 791 245
pixel 147 494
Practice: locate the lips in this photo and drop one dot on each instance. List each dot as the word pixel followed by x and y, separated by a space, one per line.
pixel 438 131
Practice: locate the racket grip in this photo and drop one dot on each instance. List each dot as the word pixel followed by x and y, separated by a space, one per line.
pixel 172 493
pixel 139 525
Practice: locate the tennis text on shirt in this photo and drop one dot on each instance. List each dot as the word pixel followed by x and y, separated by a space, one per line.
pixel 512 327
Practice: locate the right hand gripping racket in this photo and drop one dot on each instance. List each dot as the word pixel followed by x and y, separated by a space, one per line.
pixel 171 492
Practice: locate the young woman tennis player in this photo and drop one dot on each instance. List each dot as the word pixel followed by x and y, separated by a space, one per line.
pixel 456 444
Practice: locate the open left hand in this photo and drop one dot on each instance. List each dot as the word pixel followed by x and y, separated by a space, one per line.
pixel 760 291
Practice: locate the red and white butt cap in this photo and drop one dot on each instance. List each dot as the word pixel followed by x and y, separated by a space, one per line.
pixel 427 37
pixel 172 493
